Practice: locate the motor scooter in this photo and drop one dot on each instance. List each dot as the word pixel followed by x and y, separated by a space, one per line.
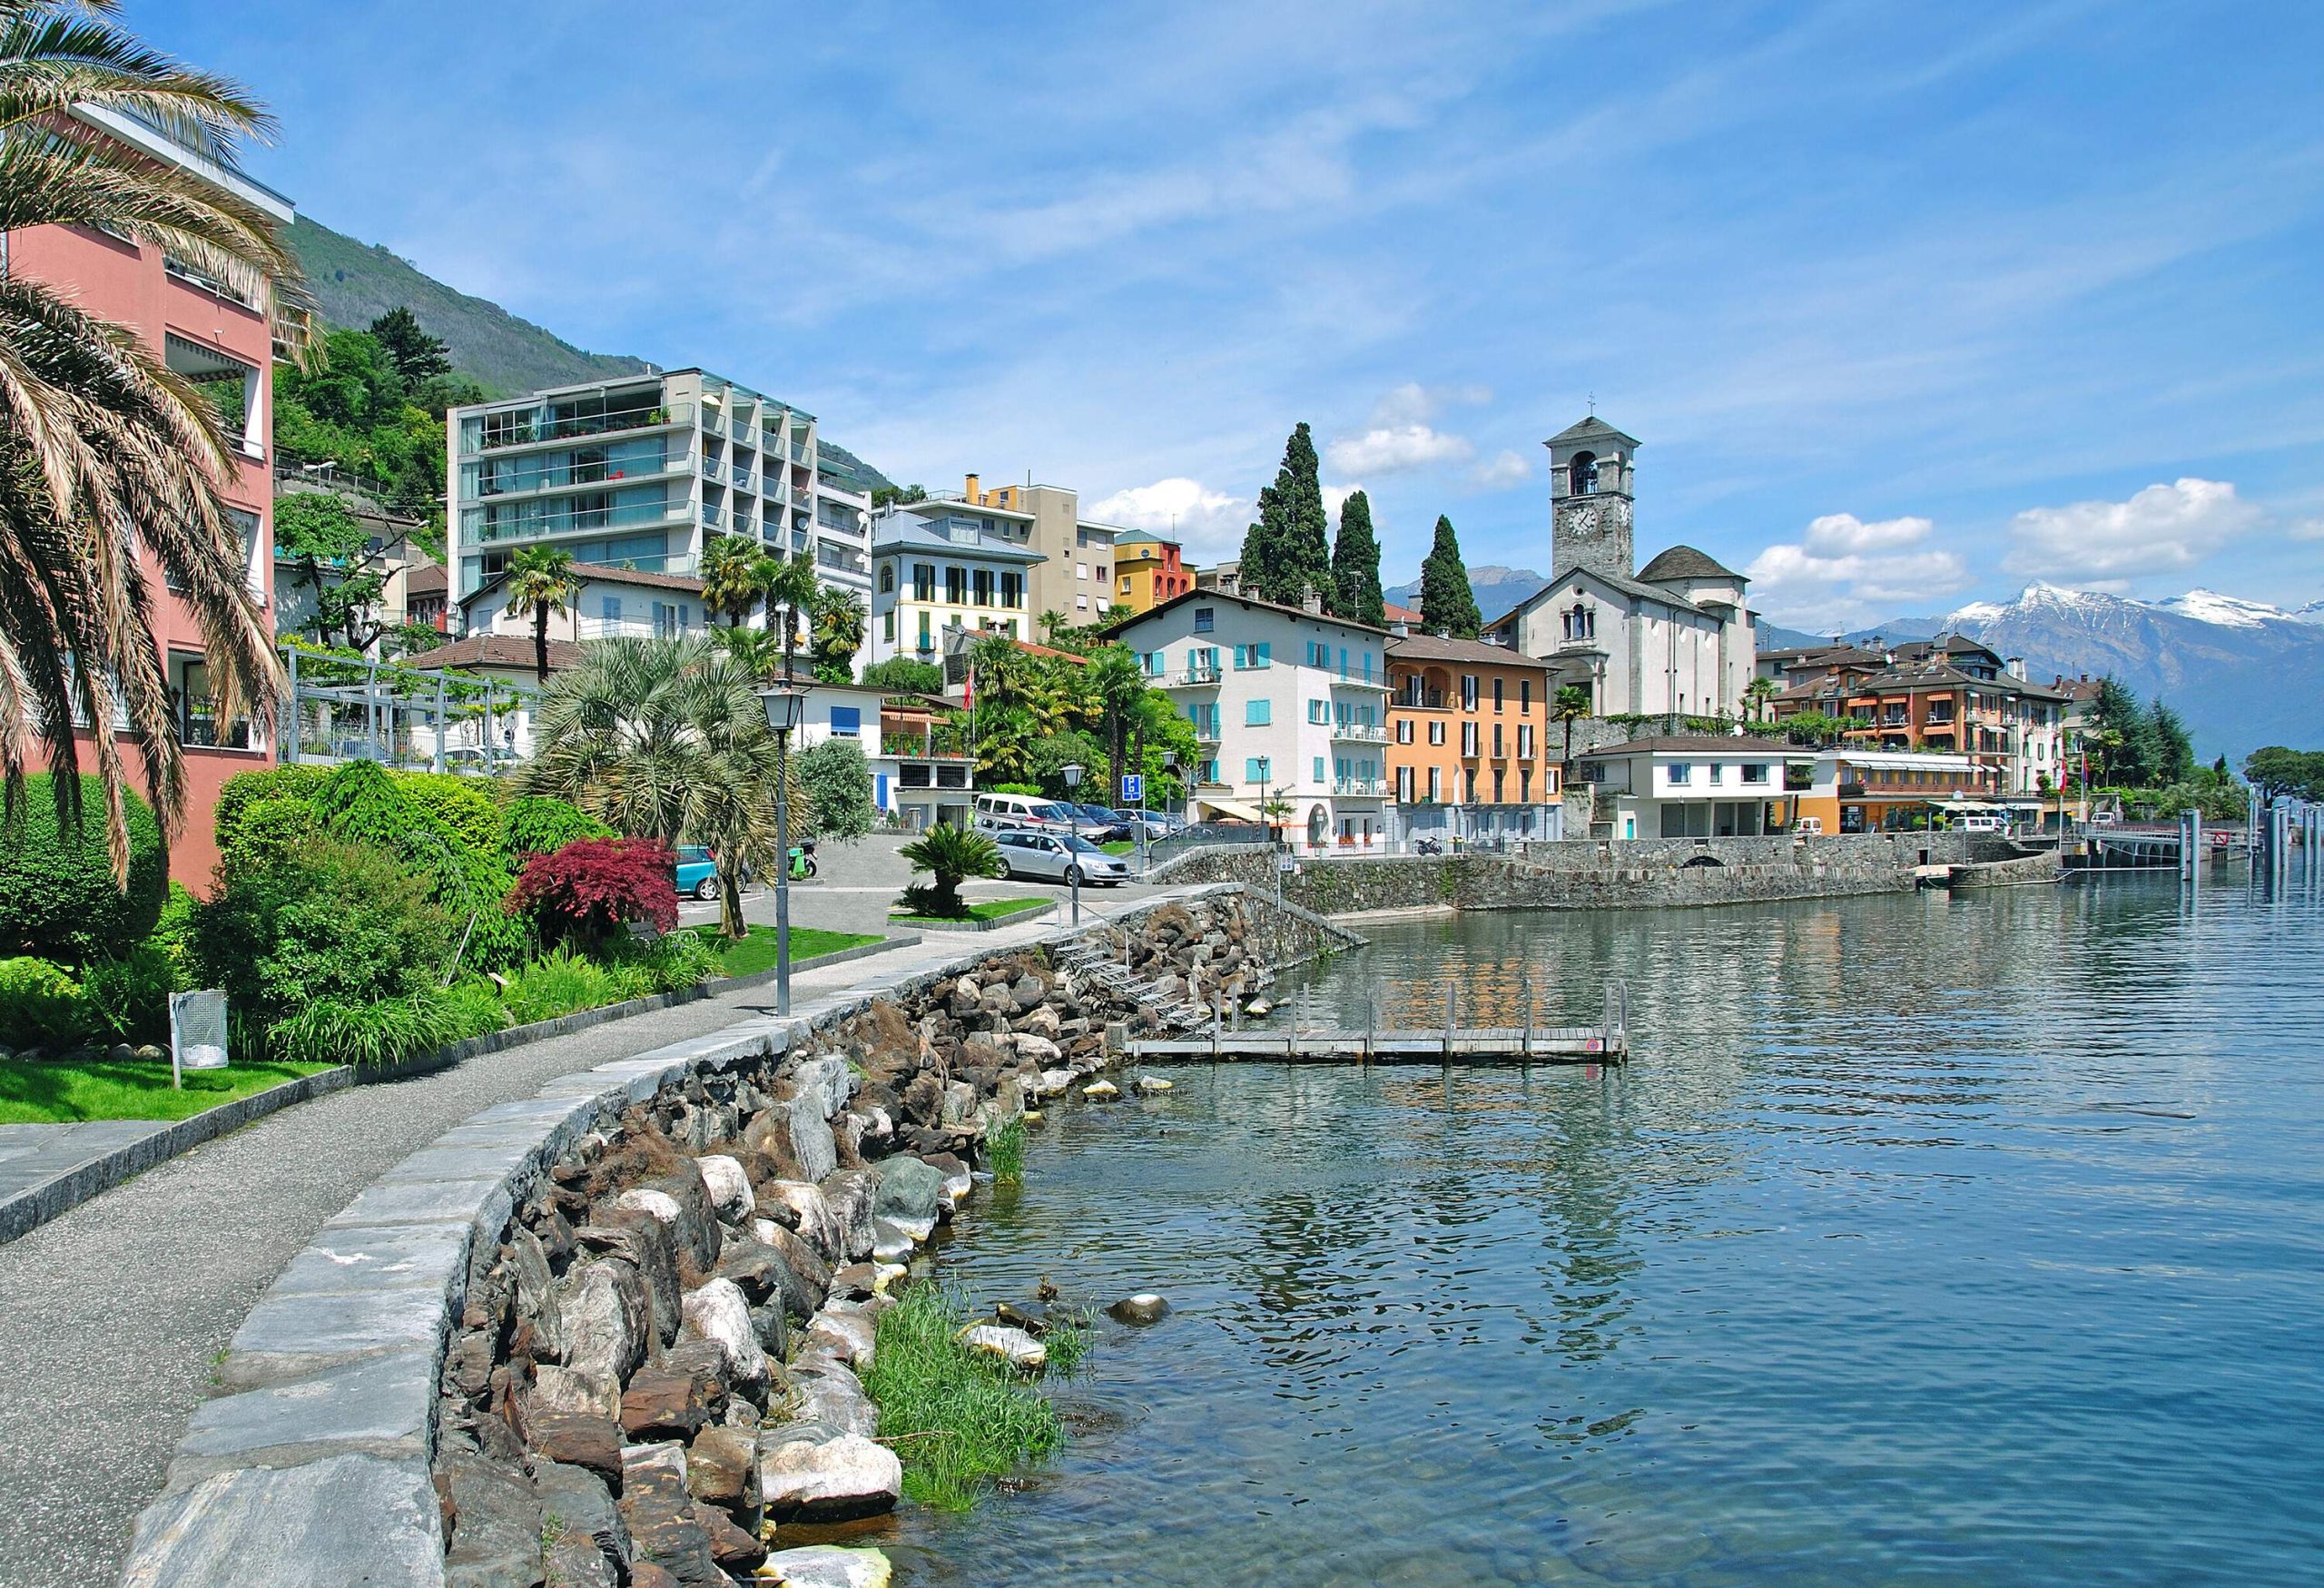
pixel 803 861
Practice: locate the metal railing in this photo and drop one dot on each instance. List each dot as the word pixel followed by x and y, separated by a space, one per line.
pixel 1363 733
pixel 1205 675
pixel 507 430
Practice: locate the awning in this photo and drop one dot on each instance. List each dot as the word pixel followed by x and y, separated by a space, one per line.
pixel 1230 808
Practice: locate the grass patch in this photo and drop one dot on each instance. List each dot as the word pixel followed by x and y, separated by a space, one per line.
pixel 983 909
pixel 1006 1151
pixel 756 952
pixel 127 1088
pixel 1119 846
pixel 957 1419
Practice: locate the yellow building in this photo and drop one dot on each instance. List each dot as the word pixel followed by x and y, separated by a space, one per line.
pixel 1147 571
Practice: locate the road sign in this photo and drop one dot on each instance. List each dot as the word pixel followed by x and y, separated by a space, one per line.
pixel 1133 788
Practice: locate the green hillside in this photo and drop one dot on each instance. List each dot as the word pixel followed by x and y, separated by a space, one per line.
pixel 357 282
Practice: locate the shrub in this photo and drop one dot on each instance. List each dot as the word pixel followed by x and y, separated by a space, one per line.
pixel 333 1031
pixel 265 830
pixel 128 998
pixel 458 807
pixel 838 784
pixel 39 1004
pixel 585 891
pixel 539 825
pixel 333 921
pixel 244 788
pixel 565 982
pixel 905 676
pixel 360 801
pixel 674 960
pixel 57 897
pixel 954 855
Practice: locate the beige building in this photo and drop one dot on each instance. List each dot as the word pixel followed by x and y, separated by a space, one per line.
pixel 1075 573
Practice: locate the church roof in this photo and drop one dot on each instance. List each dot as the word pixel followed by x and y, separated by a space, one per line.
pixel 1684 562
pixel 1593 429
pixel 1627 586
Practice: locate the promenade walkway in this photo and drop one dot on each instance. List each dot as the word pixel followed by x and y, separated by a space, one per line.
pixel 113 1315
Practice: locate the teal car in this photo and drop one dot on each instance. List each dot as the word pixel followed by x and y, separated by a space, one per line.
pixel 697 873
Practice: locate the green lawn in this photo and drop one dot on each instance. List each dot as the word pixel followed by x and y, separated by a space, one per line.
pixel 984 910
pixel 1119 846
pixel 127 1088
pixel 756 952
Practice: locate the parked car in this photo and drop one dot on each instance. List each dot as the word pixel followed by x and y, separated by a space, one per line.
pixel 1983 823
pixel 698 872
pixel 1058 856
pixel 1004 812
pixel 1114 826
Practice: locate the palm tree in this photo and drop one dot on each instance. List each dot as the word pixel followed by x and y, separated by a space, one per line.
pixel 1756 696
pixel 788 583
pixel 952 854
pixel 540 582
pixel 107 456
pixel 835 632
pixel 758 651
pixel 1570 706
pixel 729 580
pixel 666 738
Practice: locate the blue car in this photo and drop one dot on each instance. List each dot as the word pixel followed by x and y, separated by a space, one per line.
pixel 697 873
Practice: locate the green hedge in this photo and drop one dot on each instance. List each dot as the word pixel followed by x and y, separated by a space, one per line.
pixel 57 897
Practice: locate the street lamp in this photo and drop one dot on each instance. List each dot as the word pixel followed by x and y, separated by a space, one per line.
pixel 1267 819
pixel 1072 773
pixel 786 708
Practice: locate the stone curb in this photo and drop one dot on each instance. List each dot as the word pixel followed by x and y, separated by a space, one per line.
pixel 1032 912
pixel 36 1204
pixel 310 1468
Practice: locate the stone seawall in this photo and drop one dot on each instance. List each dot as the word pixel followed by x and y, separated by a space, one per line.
pixel 606 1334
pixel 1584 873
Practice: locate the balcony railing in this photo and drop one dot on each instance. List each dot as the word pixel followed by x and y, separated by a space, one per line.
pixel 923 746
pixel 512 430
pixel 1359 785
pixel 1419 699
pixel 1206 734
pixel 1362 733
pixel 1199 675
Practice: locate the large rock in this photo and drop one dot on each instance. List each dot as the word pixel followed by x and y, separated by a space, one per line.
pixel 958 1181
pixel 718 1312
pixel 536 1300
pixel 803 1257
pixel 583 1541
pixel 830 1480
pixel 676 1397
pixel 561 1391
pixel 735 1549
pixel 1013 1346
pixel 606 1318
pixel 828 1080
pixel 1038 1050
pixel 831 1395
pixel 722 1468
pixel 912 1194
pixel 1145 1307
pixel 729 1187
pixel 891 1243
pixel 767 1276
pixel 659 1513
pixel 825 1566
pixel 695 1231
pixel 643 1242
pixel 803 1209
pixel 589 1442
pixel 849 1336
pixel 853 1195
pixel 495 1539
pixel 802 1144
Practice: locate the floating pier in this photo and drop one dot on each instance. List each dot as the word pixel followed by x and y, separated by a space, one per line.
pixel 1305 1041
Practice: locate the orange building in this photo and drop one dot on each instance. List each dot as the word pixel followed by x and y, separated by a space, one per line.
pixel 205 331
pixel 1147 571
pixel 1469 751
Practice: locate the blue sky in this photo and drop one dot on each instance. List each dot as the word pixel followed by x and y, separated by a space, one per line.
pixel 1909 304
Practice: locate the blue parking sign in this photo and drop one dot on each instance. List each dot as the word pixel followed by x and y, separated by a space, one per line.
pixel 1133 788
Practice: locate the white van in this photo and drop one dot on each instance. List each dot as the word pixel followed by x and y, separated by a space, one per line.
pixel 1009 813
pixel 1809 826
pixel 1981 824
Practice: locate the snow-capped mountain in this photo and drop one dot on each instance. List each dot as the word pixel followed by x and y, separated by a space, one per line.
pixel 2242 673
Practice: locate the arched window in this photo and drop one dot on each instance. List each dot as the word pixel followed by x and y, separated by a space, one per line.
pixel 1582 474
pixel 887 578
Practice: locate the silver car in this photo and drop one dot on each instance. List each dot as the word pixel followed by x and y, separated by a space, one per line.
pixel 1057 857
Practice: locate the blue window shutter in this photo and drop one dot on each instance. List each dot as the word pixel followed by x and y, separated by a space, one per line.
pixel 847 719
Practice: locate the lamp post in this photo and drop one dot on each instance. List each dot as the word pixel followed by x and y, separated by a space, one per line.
pixel 1072 773
pixel 785 707
pixel 1265 818
pixel 1170 767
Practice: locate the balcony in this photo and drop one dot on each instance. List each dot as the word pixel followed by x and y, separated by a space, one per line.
pixel 1360 732
pixel 580 475
pixel 510 429
pixel 1205 674
pixel 1410 699
pixel 931 746
pixel 1361 788
pixel 630 628
pixel 1206 734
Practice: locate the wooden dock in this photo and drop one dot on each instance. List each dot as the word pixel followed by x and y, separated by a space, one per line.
pixel 1303 1040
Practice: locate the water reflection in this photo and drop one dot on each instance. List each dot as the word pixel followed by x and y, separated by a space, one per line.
pixel 1904 1251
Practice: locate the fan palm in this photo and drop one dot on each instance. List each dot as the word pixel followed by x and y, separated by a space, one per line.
pixel 758 651
pixel 540 583
pixel 107 456
pixel 667 739
pixel 835 625
pixel 730 577
pixel 788 583
pixel 952 855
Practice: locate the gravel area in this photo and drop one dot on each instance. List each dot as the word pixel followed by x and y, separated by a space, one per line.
pixel 113 1315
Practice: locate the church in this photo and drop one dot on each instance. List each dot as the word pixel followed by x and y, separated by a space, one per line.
pixel 1671 639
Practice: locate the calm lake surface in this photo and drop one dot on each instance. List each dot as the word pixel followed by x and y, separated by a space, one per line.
pixel 1972 1239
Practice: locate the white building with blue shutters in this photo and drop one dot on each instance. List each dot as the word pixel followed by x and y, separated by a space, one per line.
pixel 1287 704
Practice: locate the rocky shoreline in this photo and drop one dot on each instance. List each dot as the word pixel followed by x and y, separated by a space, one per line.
pixel 653 1378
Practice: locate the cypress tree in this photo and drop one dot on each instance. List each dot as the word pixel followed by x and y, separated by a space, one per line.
pixel 1288 553
pixel 1356 565
pixel 1447 604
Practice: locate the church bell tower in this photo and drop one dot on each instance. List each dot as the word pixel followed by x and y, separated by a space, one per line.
pixel 1591 500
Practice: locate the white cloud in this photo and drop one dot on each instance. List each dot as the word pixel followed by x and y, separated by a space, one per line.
pixel 2160 529
pixel 1209 524
pixel 1333 495
pixel 2308 529
pixel 1844 573
pixel 1507 469
pixel 1390 449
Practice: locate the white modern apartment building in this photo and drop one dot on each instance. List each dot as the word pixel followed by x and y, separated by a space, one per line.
pixel 1287 705
pixel 636 472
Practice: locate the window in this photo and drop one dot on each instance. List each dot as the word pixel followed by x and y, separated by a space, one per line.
pixel 1469 778
pixel 1468 692
pixel 1524 695
pixel 1101 573
pixel 1525 785
pixel 1255 769
pixel 1679 774
pixel 1496 695
pixel 1581 475
pixel 925 643
pixel 1258 713
pixel 1716 769
pixel 1319 654
pixel 1468 738
pixel 848 720
pixel 1081 603
pixel 1403 729
pixel 1435 783
pixel 1319 769
pixel 1319 711
pixel 1403 786
pixel 1255 656
pixel 1755 772
pixel 888 626
pixel 609 608
pixel 1525 742
pixel 1497 750
pixel 980 585
pixel 1012 589
pixel 923 581
pixel 1343 661
pixel 1499 787
pixel 1436 732
pixel 1152 660
pixel 887 578
pixel 1206 619
pixel 956 586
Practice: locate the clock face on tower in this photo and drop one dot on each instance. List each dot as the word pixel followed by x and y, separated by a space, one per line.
pixel 1582 518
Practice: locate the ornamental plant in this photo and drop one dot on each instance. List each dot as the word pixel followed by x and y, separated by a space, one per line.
pixel 58 897
pixel 583 893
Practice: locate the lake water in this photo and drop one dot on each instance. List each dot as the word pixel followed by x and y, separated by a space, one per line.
pixel 1972 1239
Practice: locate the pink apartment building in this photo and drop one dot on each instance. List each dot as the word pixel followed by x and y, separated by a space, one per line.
pixel 204 331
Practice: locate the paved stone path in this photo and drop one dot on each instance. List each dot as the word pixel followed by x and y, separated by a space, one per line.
pixel 113 1315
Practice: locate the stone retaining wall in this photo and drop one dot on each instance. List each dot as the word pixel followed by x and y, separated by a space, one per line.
pixel 545 1338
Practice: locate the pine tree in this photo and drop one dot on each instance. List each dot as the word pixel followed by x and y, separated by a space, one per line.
pixel 2174 751
pixel 1356 565
pixel 415 355
pixel 1288 553
pixel 1447 604
pixel 2121 737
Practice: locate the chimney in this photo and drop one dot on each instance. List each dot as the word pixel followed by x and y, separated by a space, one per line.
pixel 1401 630
pixel 1312 601
pixel 971 492
pixel 2013 666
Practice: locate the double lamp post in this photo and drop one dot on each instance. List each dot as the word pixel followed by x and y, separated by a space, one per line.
pixel 786 709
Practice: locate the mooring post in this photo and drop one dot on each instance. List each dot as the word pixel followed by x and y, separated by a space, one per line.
pixel 1525 995
pixel 1370 1017
pixel 1451 1018
pixel 1218 1019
